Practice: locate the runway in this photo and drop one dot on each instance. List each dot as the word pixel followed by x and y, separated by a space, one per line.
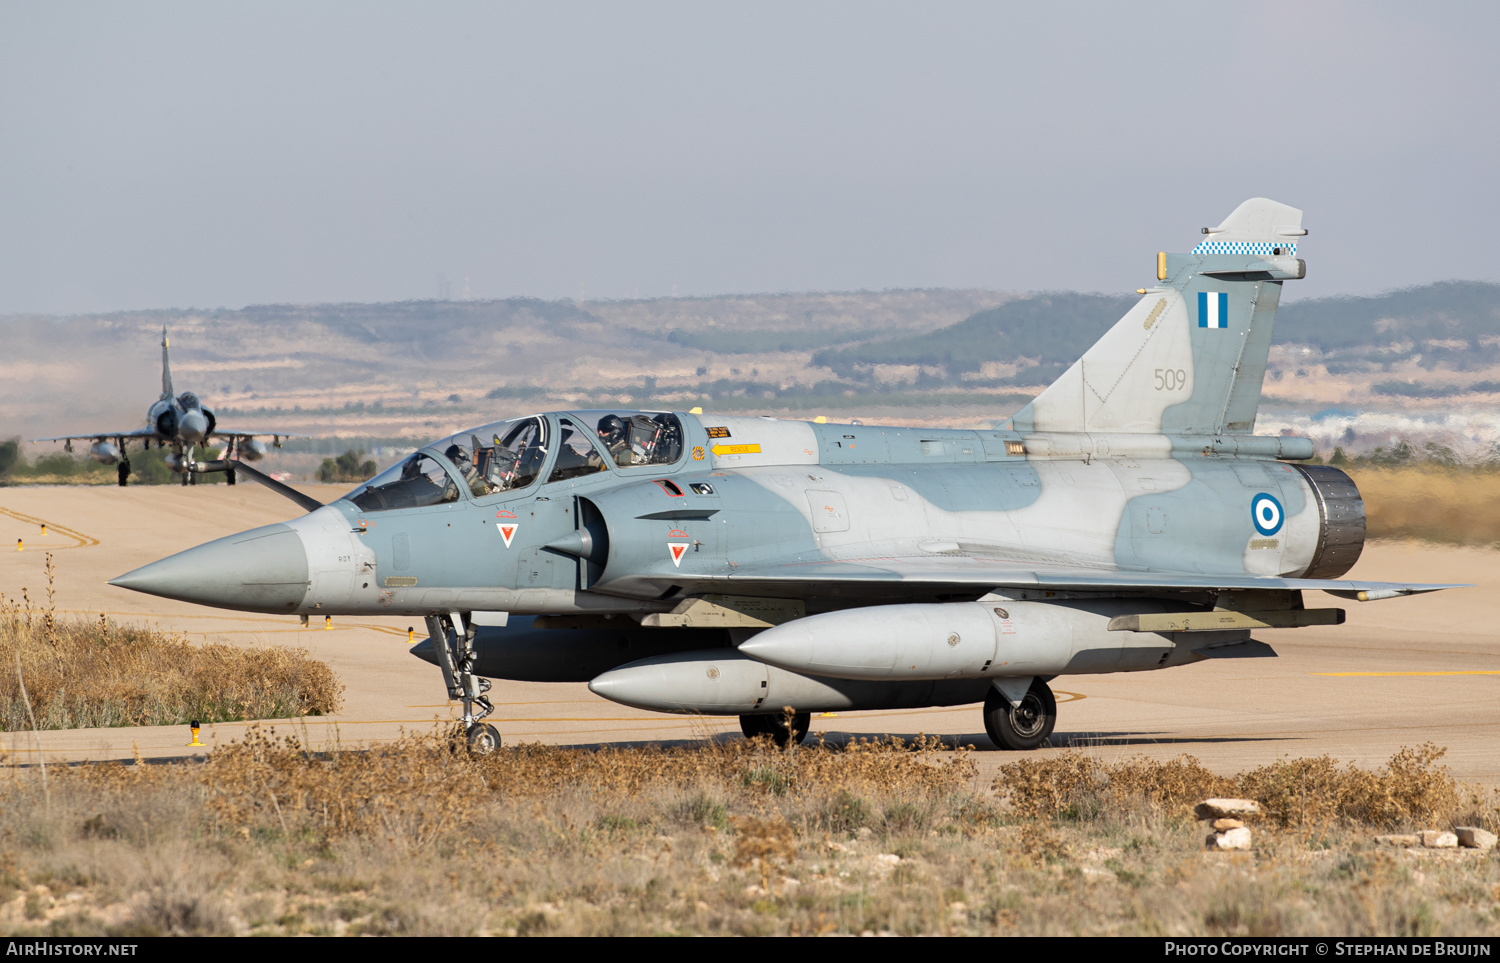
pixel 1398 673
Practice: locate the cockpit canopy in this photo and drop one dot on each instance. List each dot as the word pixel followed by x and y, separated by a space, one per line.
pixel 512 455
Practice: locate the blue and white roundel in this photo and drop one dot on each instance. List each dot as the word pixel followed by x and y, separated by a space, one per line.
pixel 1266 512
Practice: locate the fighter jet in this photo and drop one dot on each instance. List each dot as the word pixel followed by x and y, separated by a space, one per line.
pixel 180 422
pixel 1127 519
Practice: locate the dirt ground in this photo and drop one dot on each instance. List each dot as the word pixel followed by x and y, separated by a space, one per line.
pixel 1398 673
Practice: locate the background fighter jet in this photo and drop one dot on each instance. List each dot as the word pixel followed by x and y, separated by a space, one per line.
pixel 1127 519
pixel 180 422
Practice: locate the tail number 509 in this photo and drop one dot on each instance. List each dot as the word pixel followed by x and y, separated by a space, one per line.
pixel 1170 379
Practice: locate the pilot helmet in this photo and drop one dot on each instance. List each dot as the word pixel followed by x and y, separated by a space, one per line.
pixel 460 456
pixel 611 429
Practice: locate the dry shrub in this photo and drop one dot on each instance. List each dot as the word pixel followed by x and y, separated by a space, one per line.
pixel 421 837
pixel 763 844
pixel 1297 792
pixel 1316 792
pixel 414 790
pixel 1078 785
pixel 756 765
pixel 83 674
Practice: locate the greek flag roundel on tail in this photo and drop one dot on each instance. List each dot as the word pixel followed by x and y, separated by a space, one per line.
pixel 1213 309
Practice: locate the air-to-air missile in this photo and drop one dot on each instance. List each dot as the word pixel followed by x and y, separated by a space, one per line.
pixel 1127 519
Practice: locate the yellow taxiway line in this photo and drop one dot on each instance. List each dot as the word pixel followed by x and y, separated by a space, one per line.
pixel 84 541
pixel 1455 672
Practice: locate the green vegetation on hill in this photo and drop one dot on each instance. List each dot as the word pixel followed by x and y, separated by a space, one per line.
pixel 1453 325
pixel 1446 311
pixel 59 467
pixel 346 468
pixel 752 342
pixel 1051 327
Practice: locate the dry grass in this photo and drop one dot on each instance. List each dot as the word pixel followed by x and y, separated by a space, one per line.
pixel 1299 794
pixel 1457 506
pixel 740 838
pixel 80 674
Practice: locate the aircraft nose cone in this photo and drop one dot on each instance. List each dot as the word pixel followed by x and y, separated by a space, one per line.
pixel 262 570
pixel 193 425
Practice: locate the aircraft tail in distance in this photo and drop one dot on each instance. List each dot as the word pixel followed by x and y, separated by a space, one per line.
pixel 166 367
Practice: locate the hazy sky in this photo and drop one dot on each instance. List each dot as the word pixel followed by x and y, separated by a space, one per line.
pixel 204 155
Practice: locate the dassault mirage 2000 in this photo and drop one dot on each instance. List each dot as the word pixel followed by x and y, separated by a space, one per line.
pixel 1128 518
pixel 180 422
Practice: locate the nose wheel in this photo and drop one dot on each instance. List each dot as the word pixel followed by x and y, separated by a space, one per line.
pixel 483 739
pixel 454 641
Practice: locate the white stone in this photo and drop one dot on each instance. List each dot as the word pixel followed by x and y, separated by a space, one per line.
pixel 1226 808
pixel 1439 839
pixel 1472 837
pixel 1404 840
pixel 1234 839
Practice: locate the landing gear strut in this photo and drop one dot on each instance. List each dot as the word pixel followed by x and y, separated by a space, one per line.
pixel 454 641
pixel 775 726
pixel 1023 726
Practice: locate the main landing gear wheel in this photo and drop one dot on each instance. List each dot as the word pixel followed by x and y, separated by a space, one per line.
pixel 775 727
pixel 483 739
pixel 1025 726
pixel 123 472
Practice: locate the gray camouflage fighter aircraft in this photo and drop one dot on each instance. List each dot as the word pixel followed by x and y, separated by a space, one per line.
pixel 1126 519
pixel 180 422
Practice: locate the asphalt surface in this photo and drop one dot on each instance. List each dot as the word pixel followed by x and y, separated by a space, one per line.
pixel 1400 672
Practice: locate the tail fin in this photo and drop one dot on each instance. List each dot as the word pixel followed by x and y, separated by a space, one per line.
pixel 166 367
pixel 1190 357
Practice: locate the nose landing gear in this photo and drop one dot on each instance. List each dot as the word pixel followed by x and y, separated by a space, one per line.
pixel 454 641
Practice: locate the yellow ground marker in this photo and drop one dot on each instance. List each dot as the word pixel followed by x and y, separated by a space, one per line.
pixel 194 726
pixel 327 622
pixel 84 541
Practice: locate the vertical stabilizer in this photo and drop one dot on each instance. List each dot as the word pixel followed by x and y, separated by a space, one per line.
pixel 166 368
pixel 1190 357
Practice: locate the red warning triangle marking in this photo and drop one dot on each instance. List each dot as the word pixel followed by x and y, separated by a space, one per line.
pixel 508 532
pixel 676 548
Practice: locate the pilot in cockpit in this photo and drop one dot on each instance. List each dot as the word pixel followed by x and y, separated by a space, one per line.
pixel 467 463
pixel 615 434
